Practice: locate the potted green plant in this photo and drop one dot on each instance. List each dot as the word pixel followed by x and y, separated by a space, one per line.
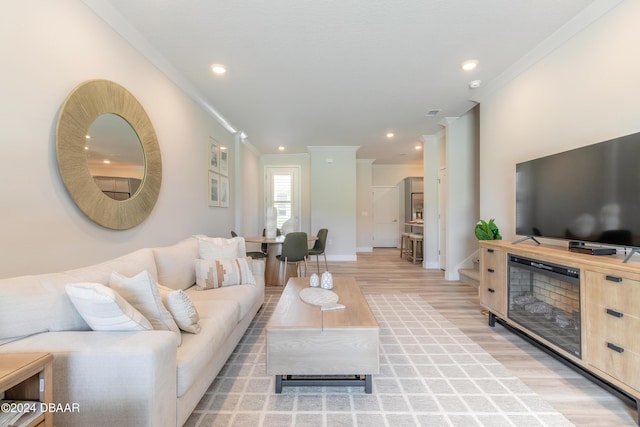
pixel 487 230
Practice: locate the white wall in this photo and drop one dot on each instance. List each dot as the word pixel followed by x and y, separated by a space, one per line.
pixel 584 92
pixel 248 206
pixel 47 49
pixel 333 198
pixel 462 191
pixel 364 205
pixel 433 148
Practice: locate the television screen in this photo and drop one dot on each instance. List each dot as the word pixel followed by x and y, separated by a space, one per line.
pixel 589 194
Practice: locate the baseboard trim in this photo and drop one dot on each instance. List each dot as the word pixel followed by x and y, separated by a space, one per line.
pixel 342 257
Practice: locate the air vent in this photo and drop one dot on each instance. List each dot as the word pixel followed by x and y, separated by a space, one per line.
pixel 432 113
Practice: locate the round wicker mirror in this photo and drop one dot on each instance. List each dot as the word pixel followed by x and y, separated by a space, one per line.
pixel 82 107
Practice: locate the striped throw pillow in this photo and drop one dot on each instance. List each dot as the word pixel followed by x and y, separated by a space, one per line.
pixel 213 274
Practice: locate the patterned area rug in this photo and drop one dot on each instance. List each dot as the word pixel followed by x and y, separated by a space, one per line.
pixel 431 374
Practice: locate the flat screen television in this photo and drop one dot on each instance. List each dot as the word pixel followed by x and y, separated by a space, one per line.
pixel 589 194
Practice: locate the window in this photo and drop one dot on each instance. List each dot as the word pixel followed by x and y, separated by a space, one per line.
pixel 281 192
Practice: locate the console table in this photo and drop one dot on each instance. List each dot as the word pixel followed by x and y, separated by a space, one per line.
pixel 608 316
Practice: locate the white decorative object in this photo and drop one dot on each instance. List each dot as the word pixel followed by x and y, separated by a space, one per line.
pixel 329 307
pixel 271 226
pixel 314 280
pixel 327 281
pixel 317 296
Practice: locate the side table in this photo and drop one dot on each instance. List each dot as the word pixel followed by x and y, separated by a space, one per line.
pixel 28 377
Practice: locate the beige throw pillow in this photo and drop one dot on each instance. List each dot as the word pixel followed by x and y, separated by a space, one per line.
pixel 142 292
pixel 181 308
pixel 212 274
pixel 104 310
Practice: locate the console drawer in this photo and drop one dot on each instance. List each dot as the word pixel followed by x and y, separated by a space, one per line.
pixel 615 360
pixel 493 280
pixel 616 292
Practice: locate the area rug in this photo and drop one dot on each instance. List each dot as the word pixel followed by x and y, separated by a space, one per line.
pixel 431 374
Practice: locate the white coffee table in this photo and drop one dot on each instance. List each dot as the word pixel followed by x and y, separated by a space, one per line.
pixel 308 346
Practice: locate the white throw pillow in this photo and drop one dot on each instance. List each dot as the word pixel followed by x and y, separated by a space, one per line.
pixel 142 292
pixel 104 310
pixel 221 248
pixel 175 264
pixel 216 273
pixel 181 308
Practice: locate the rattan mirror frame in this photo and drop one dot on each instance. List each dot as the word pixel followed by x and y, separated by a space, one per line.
pixel 82 107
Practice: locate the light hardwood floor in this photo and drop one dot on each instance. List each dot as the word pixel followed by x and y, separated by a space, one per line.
pixel 581 401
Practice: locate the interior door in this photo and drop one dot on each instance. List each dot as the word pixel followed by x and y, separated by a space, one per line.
pixel 386 231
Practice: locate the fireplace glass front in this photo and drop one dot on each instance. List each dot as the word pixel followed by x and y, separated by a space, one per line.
pixel 545 298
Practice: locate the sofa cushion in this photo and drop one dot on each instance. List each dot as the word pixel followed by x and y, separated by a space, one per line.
pixel 127 265
pixel 104 310
pixel 181 308
pixel 175 264
pixel 198 351
pixel 221 248
pixel 245 296
pixel 141 291
pixel 212 274
pixel 34 304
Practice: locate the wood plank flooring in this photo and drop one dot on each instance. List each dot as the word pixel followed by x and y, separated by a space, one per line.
pixel 578 399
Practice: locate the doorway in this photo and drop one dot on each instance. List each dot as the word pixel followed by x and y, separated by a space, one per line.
pixel 385 217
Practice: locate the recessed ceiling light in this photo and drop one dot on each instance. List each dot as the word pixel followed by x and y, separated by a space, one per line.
pixel 418 147
pixel 281 148
pixel 87 136
pixel 106 162
pixel 475 84
pixel 469 65
pixel 218 69
pixel 390 135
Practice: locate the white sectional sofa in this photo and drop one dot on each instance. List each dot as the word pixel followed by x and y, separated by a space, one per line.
pixel 140 378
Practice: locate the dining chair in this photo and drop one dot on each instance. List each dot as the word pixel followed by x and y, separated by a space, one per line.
pixel 253 254
pixel 294 249
pixel 319 247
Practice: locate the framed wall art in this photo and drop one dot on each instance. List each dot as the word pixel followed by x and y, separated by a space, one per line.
pixel 214 155
pixel 224 161
pixel 224 192
pixel 214 189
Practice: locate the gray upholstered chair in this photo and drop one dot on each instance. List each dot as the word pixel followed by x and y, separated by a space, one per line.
pixel 319 247
pixel 294 249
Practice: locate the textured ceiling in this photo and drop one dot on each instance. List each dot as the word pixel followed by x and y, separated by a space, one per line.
pixel 341 72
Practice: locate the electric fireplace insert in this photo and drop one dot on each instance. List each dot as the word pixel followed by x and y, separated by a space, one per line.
pixel 545 298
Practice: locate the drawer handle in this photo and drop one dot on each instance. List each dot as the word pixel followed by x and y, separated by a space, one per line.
pixel 614 279
pixel 614 313
pixel 615 347
pixel 490 251
pixel 491 270
pixel 491 290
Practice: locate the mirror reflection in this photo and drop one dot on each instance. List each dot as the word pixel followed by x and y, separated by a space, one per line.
pixel 115 156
